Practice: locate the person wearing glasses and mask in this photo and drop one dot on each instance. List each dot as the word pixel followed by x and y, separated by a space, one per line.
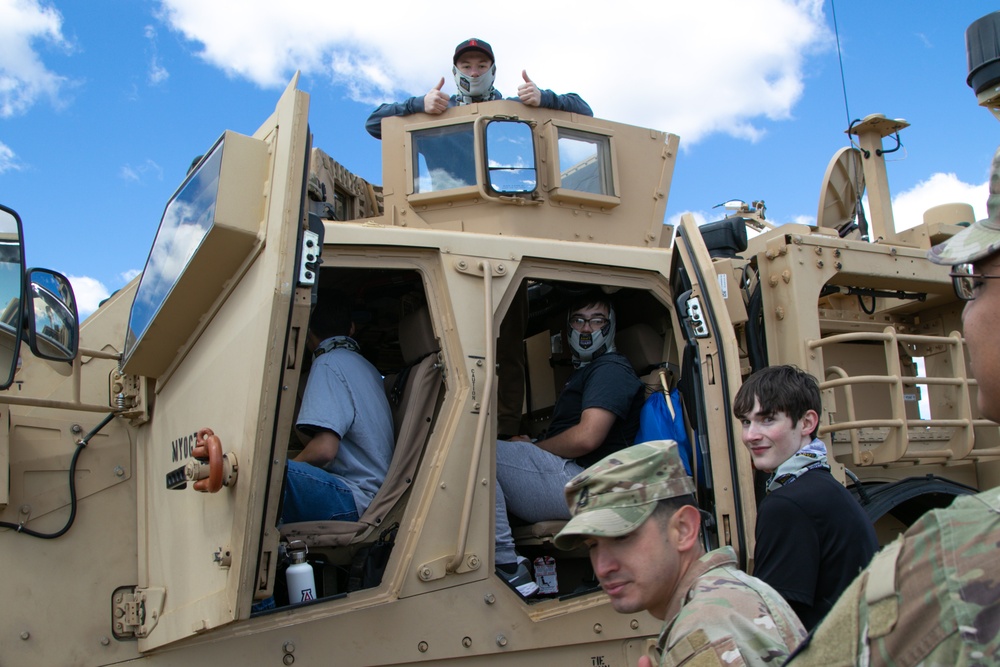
pixel 595 414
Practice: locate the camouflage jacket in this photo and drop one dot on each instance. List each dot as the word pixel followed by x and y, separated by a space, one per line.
pixel 930 598
pixel 726 617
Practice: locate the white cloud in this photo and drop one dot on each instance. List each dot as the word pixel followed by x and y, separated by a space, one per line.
pixel 137 174
pixel 8 160
pixel 23 76
pixel 677 83
pixel 157 72
pixel 127 276
pixel 89 293
pixel 908 207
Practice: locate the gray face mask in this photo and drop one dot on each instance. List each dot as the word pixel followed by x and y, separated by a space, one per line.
pixel 475 87
pixel 589 345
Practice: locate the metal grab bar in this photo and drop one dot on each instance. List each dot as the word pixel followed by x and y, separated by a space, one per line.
pixel 896 445
pixel 481 425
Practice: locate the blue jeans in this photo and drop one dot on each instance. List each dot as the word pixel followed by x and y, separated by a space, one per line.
pixel 313 494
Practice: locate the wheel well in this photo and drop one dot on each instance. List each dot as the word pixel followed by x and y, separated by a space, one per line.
pixel 908 499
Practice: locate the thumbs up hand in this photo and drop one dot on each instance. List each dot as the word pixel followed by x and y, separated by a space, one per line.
pixel 528 92
pixel 435 101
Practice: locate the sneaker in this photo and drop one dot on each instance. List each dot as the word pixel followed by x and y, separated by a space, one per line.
pixel 520 578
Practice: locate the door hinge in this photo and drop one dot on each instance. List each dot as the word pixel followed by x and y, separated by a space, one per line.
pixel 127 396
pixel 135 611
pixel 309 268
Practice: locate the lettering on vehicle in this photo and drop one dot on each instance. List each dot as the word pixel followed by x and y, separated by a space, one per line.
pixel 597 661
pixel 180 448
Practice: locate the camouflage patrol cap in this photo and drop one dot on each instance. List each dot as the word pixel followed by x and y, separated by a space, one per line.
pixel 979 240
pixel 617 494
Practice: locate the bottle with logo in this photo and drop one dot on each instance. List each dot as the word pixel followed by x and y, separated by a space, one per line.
pixel 299 576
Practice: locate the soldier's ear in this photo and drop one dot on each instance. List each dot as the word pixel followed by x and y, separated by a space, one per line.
pixel 685 525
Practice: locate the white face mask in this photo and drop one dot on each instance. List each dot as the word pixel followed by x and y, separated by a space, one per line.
pixel 476 87
pixel 589 345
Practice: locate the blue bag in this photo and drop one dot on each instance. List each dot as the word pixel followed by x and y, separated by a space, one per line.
pixel 663 420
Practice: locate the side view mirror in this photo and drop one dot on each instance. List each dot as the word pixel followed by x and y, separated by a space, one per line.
pixel 11 289
pixel 510 157
pixel 53 322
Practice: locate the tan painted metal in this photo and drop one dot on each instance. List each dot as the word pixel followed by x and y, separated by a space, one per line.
pixel 167 577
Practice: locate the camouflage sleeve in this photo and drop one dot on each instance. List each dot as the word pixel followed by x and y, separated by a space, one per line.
pixel 929 598
pixel 731 623
pixel 696 650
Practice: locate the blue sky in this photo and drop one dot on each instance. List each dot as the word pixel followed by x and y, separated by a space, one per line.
pixel 104 103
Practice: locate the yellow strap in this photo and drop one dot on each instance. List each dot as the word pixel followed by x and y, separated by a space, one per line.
pixel 666 393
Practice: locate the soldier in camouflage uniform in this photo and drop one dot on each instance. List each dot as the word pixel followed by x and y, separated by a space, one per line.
pixel 636 511
pixel 932 597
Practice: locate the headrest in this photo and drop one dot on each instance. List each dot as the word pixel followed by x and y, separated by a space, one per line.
pixel 416 336
pixel 642 346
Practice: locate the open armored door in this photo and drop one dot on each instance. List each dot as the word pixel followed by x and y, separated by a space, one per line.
pixel 221 334
pixel 710 378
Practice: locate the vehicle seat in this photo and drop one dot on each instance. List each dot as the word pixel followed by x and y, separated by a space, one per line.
pixel 421 382
pixel 643 347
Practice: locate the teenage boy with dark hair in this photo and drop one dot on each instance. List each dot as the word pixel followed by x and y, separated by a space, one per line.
pixel 812 536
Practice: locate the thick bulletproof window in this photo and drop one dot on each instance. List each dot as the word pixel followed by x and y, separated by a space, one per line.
pixel 585 162
pixel 444 158
pixel 510 157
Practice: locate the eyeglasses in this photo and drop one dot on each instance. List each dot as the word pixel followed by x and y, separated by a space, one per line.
pixel 595 323
pixel 966 282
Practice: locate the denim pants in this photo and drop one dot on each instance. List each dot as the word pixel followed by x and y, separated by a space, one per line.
pixel 313 494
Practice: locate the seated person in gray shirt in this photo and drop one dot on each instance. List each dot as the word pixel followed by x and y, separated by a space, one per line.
pixel 346 416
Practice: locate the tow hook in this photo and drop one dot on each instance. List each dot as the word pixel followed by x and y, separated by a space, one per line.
pixel 210 469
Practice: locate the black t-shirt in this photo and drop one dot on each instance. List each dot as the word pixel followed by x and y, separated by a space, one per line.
pixel 608 382
pixel 812 540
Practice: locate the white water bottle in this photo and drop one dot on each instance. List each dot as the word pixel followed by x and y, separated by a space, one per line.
pixel 301 582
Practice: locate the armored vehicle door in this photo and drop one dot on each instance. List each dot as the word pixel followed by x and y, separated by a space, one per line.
pixel 217 330
pixel 705 294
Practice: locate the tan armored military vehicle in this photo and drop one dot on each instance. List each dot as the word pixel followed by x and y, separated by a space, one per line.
pixel 143 452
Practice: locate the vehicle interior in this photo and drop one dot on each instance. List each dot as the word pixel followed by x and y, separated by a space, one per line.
pixel 396 334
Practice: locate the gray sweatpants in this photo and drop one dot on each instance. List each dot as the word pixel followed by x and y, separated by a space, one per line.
pixel 530 483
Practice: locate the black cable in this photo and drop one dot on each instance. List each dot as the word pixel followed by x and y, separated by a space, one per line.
pixel 840 59
pixel 20 528
pixel 864 497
